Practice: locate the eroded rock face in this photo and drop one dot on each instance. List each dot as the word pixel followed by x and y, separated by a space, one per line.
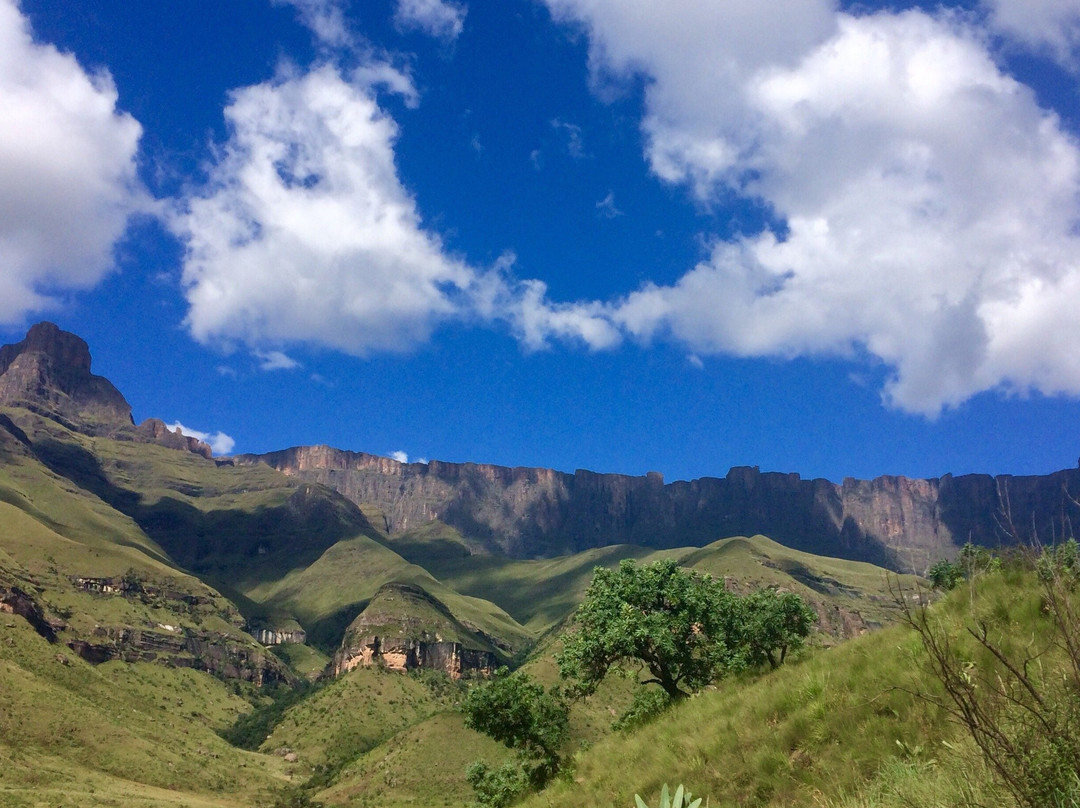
pixel 405 654
pixel 50 370
pixel 525 512
pixel 154 430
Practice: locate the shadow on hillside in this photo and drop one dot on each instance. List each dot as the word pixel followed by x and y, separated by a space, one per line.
pixel 230 544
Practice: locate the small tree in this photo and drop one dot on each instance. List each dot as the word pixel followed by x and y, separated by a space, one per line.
pixel 677 625
pixel 516 711
pixel 1016 693
pixel 774 623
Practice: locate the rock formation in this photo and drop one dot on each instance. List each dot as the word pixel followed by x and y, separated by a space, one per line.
pixel 404 627
pixel 528 512
pixel 50 371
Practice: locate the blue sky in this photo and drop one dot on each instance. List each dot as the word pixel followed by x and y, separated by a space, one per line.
pixel 839 240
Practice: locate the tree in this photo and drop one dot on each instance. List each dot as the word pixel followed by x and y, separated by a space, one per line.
pixel 516 711
pixel 677 625
pixel 774 623
pixel 945 575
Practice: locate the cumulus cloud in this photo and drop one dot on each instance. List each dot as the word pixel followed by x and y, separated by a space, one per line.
pixel 436 18
pixel 927 204
pixel 399 456
pixel 219 442
pixel 68 180
pixel 305 232
pixel 1050 26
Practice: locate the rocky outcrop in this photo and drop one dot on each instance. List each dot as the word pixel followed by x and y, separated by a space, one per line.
pixel 154 430
pixel 221 654
pixel 270 636
pixel 527 512
pixel 404 627
pixel 14 600
pixel 405 654
pixel 49 371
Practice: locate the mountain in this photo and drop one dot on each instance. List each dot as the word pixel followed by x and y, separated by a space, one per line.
pixel 153 596
pixel 901 523
pixel 50 371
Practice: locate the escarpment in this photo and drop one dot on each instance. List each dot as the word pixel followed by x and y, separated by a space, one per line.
pixel 530 512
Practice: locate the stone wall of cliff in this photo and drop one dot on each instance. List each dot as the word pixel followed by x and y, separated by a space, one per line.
pixel 528 512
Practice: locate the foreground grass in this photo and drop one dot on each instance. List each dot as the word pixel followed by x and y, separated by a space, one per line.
pixel 841 727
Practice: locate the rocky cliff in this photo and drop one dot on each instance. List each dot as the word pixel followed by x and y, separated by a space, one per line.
pixel 528 512
pixel 404 627
pixel 48 372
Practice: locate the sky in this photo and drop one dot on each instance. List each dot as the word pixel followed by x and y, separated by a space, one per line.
pixel 838 239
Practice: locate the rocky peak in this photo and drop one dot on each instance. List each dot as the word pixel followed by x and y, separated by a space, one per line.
pixel 49 371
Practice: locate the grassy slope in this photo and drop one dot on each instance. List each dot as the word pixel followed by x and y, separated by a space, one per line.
pixel 838 728
pixel 540 593
pixel 284 551
pixel 73 734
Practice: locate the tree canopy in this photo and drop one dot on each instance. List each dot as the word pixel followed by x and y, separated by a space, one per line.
pixel 681 627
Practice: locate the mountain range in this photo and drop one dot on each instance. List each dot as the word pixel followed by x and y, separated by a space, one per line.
pixel 131 545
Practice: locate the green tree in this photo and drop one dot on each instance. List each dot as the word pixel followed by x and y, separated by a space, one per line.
pixel 774 623
pixel 675 624
pixel 945 575
pixel 516 711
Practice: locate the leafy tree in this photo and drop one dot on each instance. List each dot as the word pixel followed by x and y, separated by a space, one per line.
pixel 677 625
pixel 516 711
pixel 774 623
pixel 945 575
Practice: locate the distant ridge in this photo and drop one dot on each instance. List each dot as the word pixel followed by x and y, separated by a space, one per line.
pixel 901 523
pixel 897 522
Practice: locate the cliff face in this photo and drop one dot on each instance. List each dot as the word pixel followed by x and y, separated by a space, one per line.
pixel 50 370
pixel 404 627
pixel 526 512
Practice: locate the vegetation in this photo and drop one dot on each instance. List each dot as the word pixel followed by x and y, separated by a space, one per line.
pixel 519 713
pixel 865 723
pixel 685 630
pixel 682 799
pixel 1018 700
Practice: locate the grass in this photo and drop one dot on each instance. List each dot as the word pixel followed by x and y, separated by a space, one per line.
pixel 115 734
pixel 850 595
pixel 831 729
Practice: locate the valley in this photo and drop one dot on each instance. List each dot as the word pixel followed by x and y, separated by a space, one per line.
pixel 154 598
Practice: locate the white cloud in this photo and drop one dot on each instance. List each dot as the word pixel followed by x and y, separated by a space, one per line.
pixel 67 171
pixel 606 208
pixel 929 206
pixel 575 142
pixel 275 360
pixel 305 233
pixel 324 18
pixel 1052 26
pixel 437 18
pixel 219 442
pixel 399 456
